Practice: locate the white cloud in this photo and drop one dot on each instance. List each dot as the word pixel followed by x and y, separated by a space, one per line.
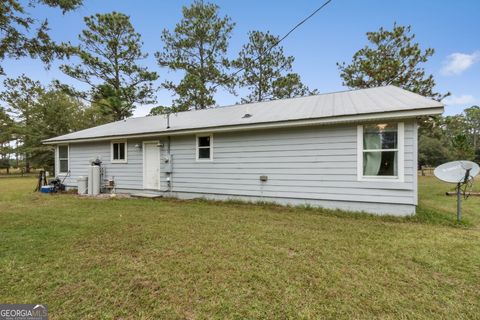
pixel 458 62
pixel 459 100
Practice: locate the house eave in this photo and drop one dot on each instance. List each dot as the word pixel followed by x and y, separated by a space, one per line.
pixel 268 125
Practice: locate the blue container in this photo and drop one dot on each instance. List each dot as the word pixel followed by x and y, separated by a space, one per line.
pixel 47 189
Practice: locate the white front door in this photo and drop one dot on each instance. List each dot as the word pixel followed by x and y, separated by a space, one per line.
pixel 151 165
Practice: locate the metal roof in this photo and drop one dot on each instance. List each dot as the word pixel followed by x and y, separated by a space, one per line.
pixel 376 101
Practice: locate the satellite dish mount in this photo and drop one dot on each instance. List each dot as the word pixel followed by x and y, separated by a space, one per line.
pixel 462 174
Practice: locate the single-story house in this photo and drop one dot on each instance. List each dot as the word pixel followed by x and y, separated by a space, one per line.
pixel 352 150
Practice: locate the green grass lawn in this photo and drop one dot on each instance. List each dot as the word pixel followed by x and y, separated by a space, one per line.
pixel 164 259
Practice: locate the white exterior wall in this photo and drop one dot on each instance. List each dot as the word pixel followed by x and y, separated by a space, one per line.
pixel 127 175
pixel 305 165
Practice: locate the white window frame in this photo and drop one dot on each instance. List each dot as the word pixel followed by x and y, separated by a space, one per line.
pixel 111 151
pixel 400 152
pixel 197 147
pixel 57 159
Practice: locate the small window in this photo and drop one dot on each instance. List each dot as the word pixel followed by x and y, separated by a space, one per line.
pixel 381 150
pixel 63 159
pixel 119 152
pixel 204 147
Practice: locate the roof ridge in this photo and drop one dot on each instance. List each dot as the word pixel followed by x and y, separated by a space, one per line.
pixel 273 100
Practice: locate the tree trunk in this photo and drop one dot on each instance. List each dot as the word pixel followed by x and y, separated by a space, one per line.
pixel 16 152
pixel 27 164
pixel 474 141
pixel 202 78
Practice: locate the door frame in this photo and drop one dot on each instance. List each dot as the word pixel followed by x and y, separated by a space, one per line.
pixel 156 142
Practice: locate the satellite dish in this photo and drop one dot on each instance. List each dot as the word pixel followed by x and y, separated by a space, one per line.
pixel 461 173
pixel 457 171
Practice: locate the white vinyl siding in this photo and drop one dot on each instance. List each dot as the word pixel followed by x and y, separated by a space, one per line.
pixel 126 175
pixel 312 164
pixel 318 162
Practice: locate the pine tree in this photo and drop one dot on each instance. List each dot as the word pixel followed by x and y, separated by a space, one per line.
pixel 266 70
pixel 110 50
pixel 197 47
pixel 54 113
pixel 393 58
pixel 6 137
pixel 20 96
pixel 16 24
pixel 33 113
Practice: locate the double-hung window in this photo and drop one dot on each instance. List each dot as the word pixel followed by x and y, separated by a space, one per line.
pixel 63 159
pixel 204 147
pixel 380 151
pixel 119 152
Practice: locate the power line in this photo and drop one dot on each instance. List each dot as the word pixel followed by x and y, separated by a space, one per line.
pixel 303 21
pixel 280 40
pixel 283 38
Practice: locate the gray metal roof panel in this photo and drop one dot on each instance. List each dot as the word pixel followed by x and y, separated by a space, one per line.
pixel 346 103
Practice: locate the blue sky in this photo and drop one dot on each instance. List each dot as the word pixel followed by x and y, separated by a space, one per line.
pixel 452 28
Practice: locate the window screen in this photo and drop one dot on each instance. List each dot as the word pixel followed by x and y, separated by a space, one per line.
pixel 63 159
pixel 204 147
pixel 119 151
pixel 380 150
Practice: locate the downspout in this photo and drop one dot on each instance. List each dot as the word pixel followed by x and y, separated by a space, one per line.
pixel 167 162
pixel 170 159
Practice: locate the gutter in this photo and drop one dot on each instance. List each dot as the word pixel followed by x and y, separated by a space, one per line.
pixel 269 125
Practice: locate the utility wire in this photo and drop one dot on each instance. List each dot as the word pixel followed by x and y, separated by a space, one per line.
pixel 282 38
pixel 276 43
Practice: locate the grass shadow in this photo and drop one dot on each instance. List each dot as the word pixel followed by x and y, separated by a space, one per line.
pixel 422 216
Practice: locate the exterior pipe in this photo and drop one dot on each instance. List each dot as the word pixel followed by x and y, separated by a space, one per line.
pixel 170 181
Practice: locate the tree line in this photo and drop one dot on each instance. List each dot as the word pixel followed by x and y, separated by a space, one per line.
pixel 107 60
